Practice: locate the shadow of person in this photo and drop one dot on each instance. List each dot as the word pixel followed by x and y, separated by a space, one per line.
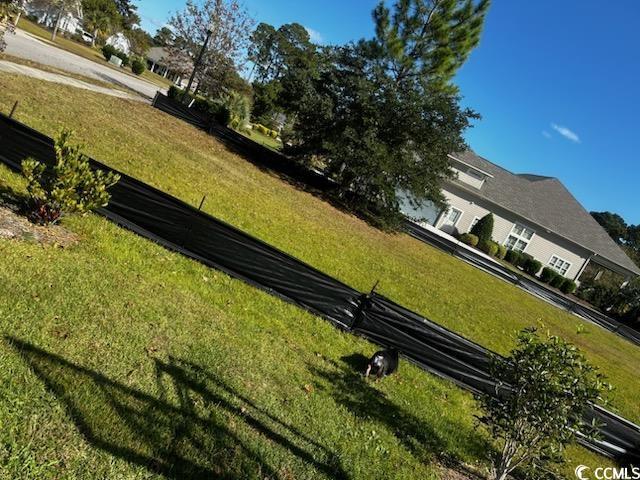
pixel 359 395
pixel 195 427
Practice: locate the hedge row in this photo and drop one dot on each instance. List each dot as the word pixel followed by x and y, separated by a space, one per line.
pixel 489 247
pixel 218 111
pixel 553 278
pixel 265 131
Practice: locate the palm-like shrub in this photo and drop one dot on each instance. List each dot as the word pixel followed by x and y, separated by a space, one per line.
pixel 69 185
pixel 239 108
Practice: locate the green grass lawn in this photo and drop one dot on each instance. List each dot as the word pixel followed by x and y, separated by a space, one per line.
pixel 137 359
pixel 84 50
pixel 264 140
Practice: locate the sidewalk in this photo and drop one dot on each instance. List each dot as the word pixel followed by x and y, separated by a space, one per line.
pixel 10 67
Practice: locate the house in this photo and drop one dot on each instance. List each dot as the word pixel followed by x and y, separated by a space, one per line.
pixel 120 42
pixel 532 214
pixel 157 62
pixel 47 14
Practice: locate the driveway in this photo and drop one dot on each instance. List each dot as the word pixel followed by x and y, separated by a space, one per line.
pixel 26 46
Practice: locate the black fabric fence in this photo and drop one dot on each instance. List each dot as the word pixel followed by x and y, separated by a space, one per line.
pixel 526 284
pixel 180 227
pixel 259 154
pixel 280 163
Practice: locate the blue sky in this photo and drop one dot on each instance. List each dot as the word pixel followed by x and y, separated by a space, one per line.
pixel 556 82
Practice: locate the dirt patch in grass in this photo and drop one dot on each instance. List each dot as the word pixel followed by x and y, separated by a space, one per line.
pixel 15 226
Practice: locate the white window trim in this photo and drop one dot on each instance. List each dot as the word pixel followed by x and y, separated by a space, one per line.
pixel 446 216
pixel 562 260
pixel 476 219
pixel 528 242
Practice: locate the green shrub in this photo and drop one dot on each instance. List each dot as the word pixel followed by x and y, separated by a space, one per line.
pixel 568 286
pixel 557 281
pixel 239 109
pixel 531 266
pixel 502 252
pixel 555 383
pixel 513 257
pixel 220 114
pixel 174 92
pixel 490 248
pixel 108 51
pixel 138 66
pixel 469 239
pixel 273 133
pixel 483 229
pixel 548 274
pixel 66 186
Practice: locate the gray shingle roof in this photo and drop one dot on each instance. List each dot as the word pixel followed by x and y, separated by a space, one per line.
pixel 547 202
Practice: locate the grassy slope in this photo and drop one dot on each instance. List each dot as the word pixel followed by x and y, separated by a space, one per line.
pixel 264 140
pixel 114 336
pixel 83 50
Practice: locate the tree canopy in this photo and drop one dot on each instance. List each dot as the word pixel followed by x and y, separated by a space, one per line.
pixel 229 25
pixel 627 236
pixel 379 115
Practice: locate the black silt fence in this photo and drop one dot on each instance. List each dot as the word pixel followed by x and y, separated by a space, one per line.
pixel 526 284
pixel 180 227
pixel 258 154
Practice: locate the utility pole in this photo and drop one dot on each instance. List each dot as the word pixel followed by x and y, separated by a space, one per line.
pixel 200 55
pixel 55 28
pixel 15 23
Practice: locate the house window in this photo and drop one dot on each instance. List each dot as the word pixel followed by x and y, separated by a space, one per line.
pixel 519 238
pixel 473 222
pixel 453 216
pixel 559 265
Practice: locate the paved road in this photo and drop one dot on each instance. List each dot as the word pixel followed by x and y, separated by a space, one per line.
pixel 26 46
pixel 10 67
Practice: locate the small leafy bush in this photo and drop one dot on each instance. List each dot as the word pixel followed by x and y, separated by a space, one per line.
pixel 221 114
pixel 67 186
pixel 557 281
pixel 174 92
pixel 138 66
pixel 469 239
pixel 531 266
pixel 488 247
pixel 108 51
pixel 513 257
pixel 568 286
pixel 551 387
pixel 548 274
pixel 502 252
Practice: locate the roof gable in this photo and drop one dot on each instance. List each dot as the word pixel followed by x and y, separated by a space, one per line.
pixel 548 203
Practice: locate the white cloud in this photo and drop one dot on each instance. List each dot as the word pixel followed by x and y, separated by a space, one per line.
pixel 566 133
pixel 546 134
pixel 314 35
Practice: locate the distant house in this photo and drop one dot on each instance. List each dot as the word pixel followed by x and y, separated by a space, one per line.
pixel 532 213
pixel 158 62
pixel 47 14
pixel 120 41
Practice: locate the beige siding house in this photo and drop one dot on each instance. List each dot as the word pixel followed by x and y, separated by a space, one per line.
pixel 533 214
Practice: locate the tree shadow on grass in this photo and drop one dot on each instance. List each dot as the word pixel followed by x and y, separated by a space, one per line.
pixel 197 426
pixel 426 443
pixel 13 199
